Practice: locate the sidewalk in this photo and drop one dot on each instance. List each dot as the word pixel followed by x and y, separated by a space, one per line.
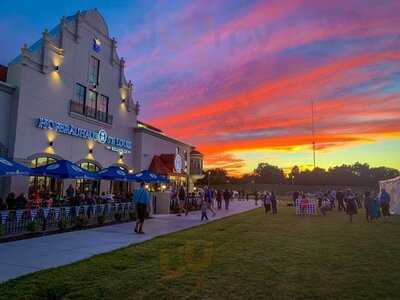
pixel 27 256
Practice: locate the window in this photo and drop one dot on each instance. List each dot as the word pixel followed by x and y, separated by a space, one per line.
pixel 102 108
pixel 94 67
pixel 40 183
pixel 91 104
pixel 80 96
pixel 84 185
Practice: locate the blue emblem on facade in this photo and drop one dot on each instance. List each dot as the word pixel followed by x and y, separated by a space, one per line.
pixel 96 45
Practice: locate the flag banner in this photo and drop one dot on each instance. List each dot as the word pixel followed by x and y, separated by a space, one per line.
pixel 57 211
pixel 46 212
pixel 77 210
pixel 33 214
pixel 4 216
pixel 67 211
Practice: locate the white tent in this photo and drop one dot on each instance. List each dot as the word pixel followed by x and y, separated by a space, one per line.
pixel 392 186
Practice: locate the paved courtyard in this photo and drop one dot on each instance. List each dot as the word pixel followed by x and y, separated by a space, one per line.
pixel 27 256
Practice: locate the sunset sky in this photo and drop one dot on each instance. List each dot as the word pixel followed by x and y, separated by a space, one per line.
pixel 236 78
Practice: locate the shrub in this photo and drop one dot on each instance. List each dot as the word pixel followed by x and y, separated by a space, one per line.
pixel 62 224
pixel 2 230
pixel 101 219
pixel 81 221
pixel 118 216
pixel 132 216
pixel 33 226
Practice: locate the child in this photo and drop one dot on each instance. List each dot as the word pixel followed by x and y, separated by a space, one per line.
pixel 204 206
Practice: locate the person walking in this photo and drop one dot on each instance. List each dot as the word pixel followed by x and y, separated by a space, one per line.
pixel 227 196
pixel 208 197
pixel 219 199
pixel 141 198
pixel 384 200
pixel 274 204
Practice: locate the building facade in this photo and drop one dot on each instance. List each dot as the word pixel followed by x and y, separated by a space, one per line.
pixel 66 97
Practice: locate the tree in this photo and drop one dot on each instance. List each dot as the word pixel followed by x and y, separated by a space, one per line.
pixel 266 173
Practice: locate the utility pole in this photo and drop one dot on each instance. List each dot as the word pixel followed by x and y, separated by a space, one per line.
pixel 313 129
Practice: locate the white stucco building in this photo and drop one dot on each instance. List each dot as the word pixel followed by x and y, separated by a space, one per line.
pixel 66 97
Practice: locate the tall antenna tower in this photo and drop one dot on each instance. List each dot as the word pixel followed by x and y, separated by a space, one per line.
pixel 313 129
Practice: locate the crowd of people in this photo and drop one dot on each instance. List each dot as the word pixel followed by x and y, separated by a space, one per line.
pixel 73 197
pixel 376 205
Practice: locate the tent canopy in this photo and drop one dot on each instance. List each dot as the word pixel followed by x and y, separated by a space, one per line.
pixel 148 176
pixel 9 167
pixel 64 169
pixel 392 186
pixel 114 173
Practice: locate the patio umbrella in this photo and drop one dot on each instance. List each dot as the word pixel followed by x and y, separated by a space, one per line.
pixel 113 173
pixel 9 167
pixel 147 176
pixel 65 169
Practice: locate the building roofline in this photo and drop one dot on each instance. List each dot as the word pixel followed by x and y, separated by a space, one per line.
pixel 160 135
pixel 5 87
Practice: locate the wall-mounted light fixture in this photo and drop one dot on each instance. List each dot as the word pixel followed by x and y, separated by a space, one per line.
pixel 123 100
pixel 51 143
pixel 91 151
pixel 56 68
pixel 121 156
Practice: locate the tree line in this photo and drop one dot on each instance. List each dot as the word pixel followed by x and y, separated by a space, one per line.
pixel 358 174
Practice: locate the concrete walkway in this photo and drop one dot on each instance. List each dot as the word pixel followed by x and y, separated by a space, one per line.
pixel 27 256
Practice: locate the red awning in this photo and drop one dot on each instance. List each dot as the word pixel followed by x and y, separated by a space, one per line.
pixel 164 164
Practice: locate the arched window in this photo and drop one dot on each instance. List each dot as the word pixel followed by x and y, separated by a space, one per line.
pixel 84 185
pixel 42 183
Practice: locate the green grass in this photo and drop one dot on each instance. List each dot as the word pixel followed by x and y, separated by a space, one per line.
pixel 247 256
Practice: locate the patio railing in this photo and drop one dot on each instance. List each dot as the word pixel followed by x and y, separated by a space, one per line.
pixel 23 221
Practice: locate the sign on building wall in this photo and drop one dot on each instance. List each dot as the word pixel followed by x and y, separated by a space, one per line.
pixel 100 136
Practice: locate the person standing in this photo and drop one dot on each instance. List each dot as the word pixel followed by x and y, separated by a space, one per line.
pixel 256 198
pixel 340 200
pixel 295 196
pixel 351 205
pixel 267 202
pixel 141 198
pixel 368 198
pixel 11 201
pixel 274 204
pixel 227 196
pixel 384 200
pixel 204 206
pixel 219 199
pixel 182 200
pixel 70 192
pixel 21 201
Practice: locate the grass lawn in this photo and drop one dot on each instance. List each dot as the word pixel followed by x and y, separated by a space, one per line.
pixel 247 256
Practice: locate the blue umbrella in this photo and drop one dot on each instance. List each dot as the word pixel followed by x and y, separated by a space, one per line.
pixel 147 176
pixel 114 173
pixel 64 169
pixel 9 167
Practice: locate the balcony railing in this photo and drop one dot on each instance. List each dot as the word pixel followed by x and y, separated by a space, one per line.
pixel 90 112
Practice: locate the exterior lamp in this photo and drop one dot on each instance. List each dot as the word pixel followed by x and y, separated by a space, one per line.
pixel 51 143
pixel 121 156
pixel 56 68
pixel 91 151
